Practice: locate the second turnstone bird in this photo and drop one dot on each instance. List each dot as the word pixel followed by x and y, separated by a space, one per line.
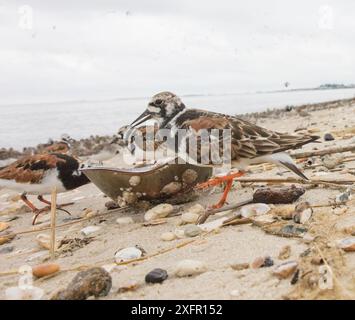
pixel 38 174
pixel 249 143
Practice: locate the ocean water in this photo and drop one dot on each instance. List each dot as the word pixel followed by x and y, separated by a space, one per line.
pixel 28 125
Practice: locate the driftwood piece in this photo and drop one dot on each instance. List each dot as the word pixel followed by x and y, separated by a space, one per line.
pixel 323 152
pixel 278 195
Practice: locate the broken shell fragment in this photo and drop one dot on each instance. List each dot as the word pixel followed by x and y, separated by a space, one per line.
pixel 285 253
pixel 89 230
pixel 303 213
pixel 124 220
pixel 343 197
pixel 127 254
pixel 255 209
pixel 186 268
pixel 43 241
pixel 160 211
pixel 347 244
pixel 43 270
pixel 262 262
pixel 285 269
pixel 26 293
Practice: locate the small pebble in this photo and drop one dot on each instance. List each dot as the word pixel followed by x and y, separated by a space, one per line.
pixel 189 217
pixel 197 208
pixel 43 270
pixel 124 220
pixel 95 282
pixel 186 268
pixel 328 137
pixel 179 233
pixel 156 276
pixel 189 176
pixel 160 211
pixel 127 254
pixel 262 262
pixel 171 188
pixel 192 230
pixel 285 269
pixel 89 230
pixel 168 236
pixel 134 181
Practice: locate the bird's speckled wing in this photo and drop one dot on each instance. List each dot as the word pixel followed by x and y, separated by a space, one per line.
pixel 30 169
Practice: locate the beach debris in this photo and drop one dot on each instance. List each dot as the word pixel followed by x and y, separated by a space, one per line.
pixel 187 268
pixel 240 266
pixel 95 282
pixel 285 252
pixel 179 233
pixel 130 285
pixel 89 230
pixel 43 240
pixel 168 236
pixel 171 188
pixel 328 137
pixel 285 230
pixel 6 237
pixel 68 245
pixel 24 293
pixel 127 254
pixel 347 244
pixel 192 230
pixel 303 213
pixel 111 205
pixel 254 209
pixel 8 249
pixel 43 270
pixel 193 213
pixel 285 269
pixel 124 220
pixel 189 176
pixel 282 195
pixel 331 161
pixel 160 211
pixel 4 226
pixel 343 197
pixel 156 276
pixel 262 262
pixel 284 211
pixel 264 220
pixel 134 181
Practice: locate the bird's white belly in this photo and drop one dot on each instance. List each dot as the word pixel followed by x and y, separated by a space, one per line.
pixel 44 187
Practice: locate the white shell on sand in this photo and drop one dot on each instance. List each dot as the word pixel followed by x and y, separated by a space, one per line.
pixel 168 236
pixel 27 293
pixel 89 230
pixel 285 270
pixel 43 241
pixel 347 244
pixel 186 268
pixel 255 209
pixel 124 220
pixel 127 254
pixel 134 181
pixel 160 211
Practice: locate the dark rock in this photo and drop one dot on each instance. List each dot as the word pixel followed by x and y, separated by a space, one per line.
pixel 328 137
pixel 95 282
pixel 278 195
pixel 156 276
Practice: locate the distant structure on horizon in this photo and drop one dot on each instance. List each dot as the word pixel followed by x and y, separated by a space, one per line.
pixel 336 86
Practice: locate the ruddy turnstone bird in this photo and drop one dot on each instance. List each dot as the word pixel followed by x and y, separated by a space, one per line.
pixel 249 143
pixel 39 174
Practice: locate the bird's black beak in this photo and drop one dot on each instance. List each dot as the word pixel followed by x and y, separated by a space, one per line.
pixel 145 116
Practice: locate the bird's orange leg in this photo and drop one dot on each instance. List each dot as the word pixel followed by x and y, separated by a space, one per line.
pixel 219 180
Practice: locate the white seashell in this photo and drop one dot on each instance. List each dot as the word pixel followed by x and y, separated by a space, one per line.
pixel 255 209
pixel 159 211
pixel 189 217
pixel 168 236
pixel 347 244
pixel 43 240
pixel 285 270
pixel 134 181
pixel 26 293
pixel 186 268
pixel 127 254
pixel 124 220
pixel 89 230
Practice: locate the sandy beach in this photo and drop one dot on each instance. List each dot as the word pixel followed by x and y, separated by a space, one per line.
pixel 221 250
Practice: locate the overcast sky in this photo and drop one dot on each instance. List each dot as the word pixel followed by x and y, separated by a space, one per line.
pixel 73 50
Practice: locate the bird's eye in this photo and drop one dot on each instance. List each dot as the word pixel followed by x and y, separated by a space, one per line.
pixel 158 102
